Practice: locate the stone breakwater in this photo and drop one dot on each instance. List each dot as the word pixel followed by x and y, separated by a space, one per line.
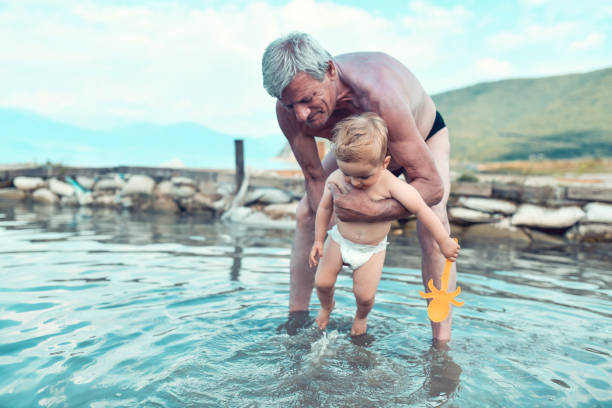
pixel 477 211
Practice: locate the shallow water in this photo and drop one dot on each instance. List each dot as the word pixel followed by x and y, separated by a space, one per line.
pixel 101 309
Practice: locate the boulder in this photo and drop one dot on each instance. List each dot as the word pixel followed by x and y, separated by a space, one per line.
pixel 204 201
pixel 44 196
pixel 60 188
pixel 84 198
pixel 85 182
pixel 105 200
pixel 164 204
pixel 540 237
pixel 183 191
pixel 69 201
pixel 182 181
pixel 165 188
pixel 28 183
pixel 590 233
pixel 466 216
pixel 138 184
pixel 12 194
pixel 488 205
pixel 267 196
pixel 108 183
pixel 281 211
pixel 246 216
pixel 501 231
pixel 544 217
pixel 597 213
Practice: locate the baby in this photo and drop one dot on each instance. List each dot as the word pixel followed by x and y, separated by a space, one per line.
pixel 360 146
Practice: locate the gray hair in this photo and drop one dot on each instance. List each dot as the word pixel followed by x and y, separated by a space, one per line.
pixel 288 55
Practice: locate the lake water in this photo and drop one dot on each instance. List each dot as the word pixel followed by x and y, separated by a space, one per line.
pixel 107 309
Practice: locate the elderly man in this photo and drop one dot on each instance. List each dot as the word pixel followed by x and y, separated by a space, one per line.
pixel 314 91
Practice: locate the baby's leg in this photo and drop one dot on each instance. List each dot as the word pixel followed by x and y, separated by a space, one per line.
pixel 325 279
pixel 365 282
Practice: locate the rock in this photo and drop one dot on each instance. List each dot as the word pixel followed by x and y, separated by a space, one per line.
pixel 226 189
pixel 466 216
pixel 281 211
pixel 182 181
pixel 544 217
pixel 85 182
pixel 471 189
pixel 165 188
pixel 498 231
pixel 165 204
pixel 204 201
pixel 488 205
pixel 183 191
pixel 410 226
pixel 541 237
pixel 69 201
pixel 267 196
pixel 138 184
pixel 84 198
pixel 60 188
pixel 598 213
pixel 590 233
pixel 208 187
pixel 105 200
pixel 12 194
pixel 28 183
pixel 246 216
pixel 126 203
pixel 114 183
pixel 44 196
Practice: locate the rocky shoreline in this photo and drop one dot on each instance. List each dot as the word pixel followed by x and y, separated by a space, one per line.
pixel 510 210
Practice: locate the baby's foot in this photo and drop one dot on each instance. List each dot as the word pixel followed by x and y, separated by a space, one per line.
pixel 323 316
pixel 359 326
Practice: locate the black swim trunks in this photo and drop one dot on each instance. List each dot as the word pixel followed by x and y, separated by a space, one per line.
pixel 437 125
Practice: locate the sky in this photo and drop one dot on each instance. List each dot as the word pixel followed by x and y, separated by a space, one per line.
pixel 104 64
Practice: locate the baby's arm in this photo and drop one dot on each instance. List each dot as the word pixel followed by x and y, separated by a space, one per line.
pixel 410 198
pixel 324 213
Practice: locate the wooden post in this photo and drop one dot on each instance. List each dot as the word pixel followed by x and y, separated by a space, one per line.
pixel 239 150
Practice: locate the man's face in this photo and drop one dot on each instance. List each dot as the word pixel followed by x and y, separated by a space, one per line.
pixel 310 100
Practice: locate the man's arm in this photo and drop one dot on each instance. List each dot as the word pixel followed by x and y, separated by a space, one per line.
pixel 409 150
pixel 356 205
pixel 304 149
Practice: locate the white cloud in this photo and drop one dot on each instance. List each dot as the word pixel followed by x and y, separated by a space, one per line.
pixel 95 64
pixel 492 68
pixel 506 40
pixel 593 40
pixel 533 3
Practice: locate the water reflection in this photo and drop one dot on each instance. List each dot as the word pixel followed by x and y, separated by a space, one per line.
pixel 110 308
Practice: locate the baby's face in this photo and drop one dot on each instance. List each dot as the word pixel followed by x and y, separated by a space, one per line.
pixel 361 175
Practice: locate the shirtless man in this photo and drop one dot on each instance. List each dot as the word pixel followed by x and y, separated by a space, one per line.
pixel 315 91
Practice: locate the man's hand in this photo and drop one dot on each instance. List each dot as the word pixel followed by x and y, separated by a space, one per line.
pixel 354 205
pixel 315 253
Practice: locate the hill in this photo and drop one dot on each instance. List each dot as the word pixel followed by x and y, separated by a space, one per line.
pixel 27 137
pixel 558 117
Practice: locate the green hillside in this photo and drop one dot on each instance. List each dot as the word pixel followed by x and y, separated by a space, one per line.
pixel 556 117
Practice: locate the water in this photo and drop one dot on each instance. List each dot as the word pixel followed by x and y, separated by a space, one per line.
pixel 101 309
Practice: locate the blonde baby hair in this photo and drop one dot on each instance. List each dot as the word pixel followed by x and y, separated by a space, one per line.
pixel 361 137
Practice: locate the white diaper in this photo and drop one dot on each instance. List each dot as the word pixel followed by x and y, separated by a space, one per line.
pixel 353 254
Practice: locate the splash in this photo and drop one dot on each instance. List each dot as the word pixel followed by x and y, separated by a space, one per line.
pixel 323 348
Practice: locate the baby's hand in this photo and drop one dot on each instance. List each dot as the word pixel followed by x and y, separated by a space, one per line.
pixel 450 249
pixel 315 253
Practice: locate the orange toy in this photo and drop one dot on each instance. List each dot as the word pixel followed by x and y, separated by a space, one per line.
pixel 439 307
